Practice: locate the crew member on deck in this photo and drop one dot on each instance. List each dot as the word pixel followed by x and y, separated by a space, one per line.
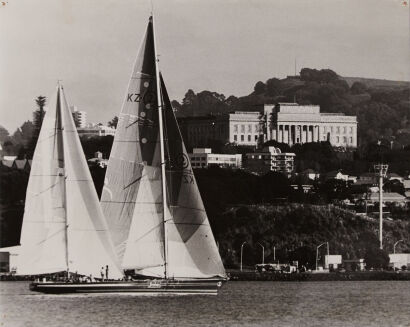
pixel 102 274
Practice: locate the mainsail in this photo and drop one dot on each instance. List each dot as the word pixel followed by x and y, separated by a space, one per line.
pixel 156 234
pixel 63 224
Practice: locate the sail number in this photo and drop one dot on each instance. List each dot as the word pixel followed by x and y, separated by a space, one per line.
pixel 147 97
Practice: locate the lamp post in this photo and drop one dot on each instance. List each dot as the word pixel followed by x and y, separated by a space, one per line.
pixel 242 252
pixel 394 246
pixel 317 251
pixel 263 252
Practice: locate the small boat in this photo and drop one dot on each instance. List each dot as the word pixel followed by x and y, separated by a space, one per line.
pixel 151 201
pixel 64 229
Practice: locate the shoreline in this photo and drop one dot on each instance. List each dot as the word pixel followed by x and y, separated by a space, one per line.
pixel 317 277
pixel 236 275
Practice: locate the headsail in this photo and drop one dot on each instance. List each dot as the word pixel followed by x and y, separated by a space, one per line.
pixel 43 234
pixel 192 251
pixel 132 198
pixel 63 225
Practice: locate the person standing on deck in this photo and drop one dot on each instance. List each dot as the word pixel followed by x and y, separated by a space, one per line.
pixel 106 272
pixel 102 274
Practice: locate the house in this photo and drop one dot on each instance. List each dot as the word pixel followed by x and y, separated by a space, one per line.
pixel 394 176
pixel 270 159
pixel 406 185
pixel 310 174
pixel 333 261
pixel 23 164
pixel 7 163
pixel 336 174
pixel 398 260
pixel 204 158
pixel 388 197
pixel 370 179
pixel 354 264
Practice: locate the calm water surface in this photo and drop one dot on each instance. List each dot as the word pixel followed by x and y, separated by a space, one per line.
pixel 238 304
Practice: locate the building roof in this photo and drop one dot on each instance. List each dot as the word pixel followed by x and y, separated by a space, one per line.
pixel 393 175
pixel 309 171
pixel 20 164
pixel 7 163
pixel 388 197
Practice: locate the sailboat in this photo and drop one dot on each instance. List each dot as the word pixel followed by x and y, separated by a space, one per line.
pixel 64 229
pixel 151 201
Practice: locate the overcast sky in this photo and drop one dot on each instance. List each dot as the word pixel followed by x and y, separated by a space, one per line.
pixel 218 45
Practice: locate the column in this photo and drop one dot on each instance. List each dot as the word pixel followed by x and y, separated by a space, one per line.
pixel 280 133
pixel 291 135
pixel 303 132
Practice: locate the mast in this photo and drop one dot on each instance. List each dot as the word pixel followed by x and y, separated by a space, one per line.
pixel 60 126
pixel 162 147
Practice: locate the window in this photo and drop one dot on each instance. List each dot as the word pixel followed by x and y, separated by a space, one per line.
pixel 337 139
pixel 256 137
pixel 235 128
pixel 351 140
pixel 235 138
pixel 256 128
pixel 249 138
pixel 249 128
pixel 337 129
pixel 242 137
pixel 243 128
pixel 344 130
pixel 344 139
pixel 351 130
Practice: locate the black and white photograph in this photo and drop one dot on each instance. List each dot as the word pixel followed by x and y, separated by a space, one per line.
pixel 204 163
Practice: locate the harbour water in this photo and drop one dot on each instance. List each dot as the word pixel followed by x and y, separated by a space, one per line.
pixel 342 303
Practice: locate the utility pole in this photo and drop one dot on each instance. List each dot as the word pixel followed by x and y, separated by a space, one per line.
pixel 382 170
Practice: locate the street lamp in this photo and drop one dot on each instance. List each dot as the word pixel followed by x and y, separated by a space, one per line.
pixel 242 252
pixel 394 246
pixel 317 251
pixel 263 252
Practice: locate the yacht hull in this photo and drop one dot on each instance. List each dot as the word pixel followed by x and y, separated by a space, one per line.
pixel 187 287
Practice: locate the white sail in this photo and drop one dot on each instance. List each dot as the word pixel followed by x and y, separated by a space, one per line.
pixel 133 163
pixel 144 251
pixel 192 251
pixel 43 234
pixel 63 224
pixel 156 234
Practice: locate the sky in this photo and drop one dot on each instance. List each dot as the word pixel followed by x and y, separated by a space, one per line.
pixel 224 46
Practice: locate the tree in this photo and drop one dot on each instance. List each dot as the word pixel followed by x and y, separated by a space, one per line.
pixel 358 88
pixel 113 122
pixel 259 88
pixel 38 115
pixel 376 258
pixel 4 133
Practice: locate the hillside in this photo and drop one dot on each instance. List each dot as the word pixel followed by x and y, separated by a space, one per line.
pixel 382 107
pixel 295 230
pixel 377 83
